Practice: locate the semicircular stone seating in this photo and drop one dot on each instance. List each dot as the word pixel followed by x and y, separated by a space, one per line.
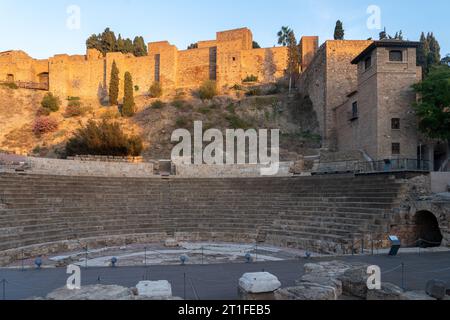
pixel 40 214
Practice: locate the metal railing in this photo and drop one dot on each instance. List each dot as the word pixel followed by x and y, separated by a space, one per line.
pixel 364 167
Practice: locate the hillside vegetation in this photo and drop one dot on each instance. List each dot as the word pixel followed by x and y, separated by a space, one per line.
pixel 156 119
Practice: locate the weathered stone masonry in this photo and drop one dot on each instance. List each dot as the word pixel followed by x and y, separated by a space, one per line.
pixel 228 59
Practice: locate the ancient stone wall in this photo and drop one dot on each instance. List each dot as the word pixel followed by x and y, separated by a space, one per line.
pixel 328 80
pixel 268 65
pixel 18 66
pixel 195 67
pixel 90 168
pixel 220 171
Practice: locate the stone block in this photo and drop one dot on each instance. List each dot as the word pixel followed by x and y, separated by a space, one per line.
pixel 95 292
pixel 154 289
pixel 171 243
pixel 388 291
pixel 307 292
pixel 436 289
pixel 354 281
pixel 259 282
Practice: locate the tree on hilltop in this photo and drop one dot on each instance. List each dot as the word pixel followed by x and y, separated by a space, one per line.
pixel 428 53
pixel 128 108
pixel 293 59
pixel 114 85
pixel 283 36
pixel 256 45
pixel 339 31
pixel 140 49
pixel 107 42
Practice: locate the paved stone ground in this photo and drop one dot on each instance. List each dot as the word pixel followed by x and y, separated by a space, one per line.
pixel 219 281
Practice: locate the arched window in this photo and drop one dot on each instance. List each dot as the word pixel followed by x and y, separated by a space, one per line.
pixel 10 77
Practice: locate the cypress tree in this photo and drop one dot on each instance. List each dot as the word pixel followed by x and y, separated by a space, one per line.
pixel 339 31
pixel 120 44
pixel 140 49
pixel 435 50
pixel 114 85
pixel 293 57
pixel 128 99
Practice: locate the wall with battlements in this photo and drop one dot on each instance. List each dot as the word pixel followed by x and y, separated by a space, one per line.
pixel 228 60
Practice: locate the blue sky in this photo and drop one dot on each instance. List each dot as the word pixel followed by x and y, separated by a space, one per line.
pixel 39 27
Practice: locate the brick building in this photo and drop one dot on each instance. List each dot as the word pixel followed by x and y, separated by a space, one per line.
pixel 362 93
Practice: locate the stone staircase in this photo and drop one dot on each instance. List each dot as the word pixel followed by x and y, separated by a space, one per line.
pixel 317 213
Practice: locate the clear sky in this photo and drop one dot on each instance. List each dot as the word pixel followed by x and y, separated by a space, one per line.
pixel 39 27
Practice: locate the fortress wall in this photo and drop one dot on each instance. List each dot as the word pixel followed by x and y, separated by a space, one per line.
pixel 21 66
pixel 207 44
pixel 142 70
pixel 243 37
pixel 267 64
pixel 308 48
pixel 168 62
pixel 194 67
pixel 312 83
pixel 76 76
pixel 229 62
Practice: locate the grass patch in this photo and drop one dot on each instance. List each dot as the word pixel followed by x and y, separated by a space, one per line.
pixel 236 122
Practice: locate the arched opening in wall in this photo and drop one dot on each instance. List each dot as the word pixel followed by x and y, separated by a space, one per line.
pixel 427 228
pixel 10 77
pixel 43 78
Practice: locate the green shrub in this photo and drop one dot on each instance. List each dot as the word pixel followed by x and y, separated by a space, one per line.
pixel 183 122
pixel 42 112
pixel 73 98
pixel 207 90
pixel 74 110
pixel 104 138
pixel 158 104
pixel 110 114
pixel 136 88
pixel 10 85
pixel 178 103
pixel 204 110
pixel 51 102
pixel 231 108
pixel 43 125
pixel 237 123
pixel 250 78
pixel 156 90
pixel 237 87
pixel 253 92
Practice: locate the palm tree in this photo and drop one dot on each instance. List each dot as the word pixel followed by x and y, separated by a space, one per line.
pixel 283 36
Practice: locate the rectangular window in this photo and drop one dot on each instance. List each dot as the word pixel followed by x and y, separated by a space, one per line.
pixel 396 55
pixel 157 67
pixel 396 149
pixel 355 109
pixel 368 63
pixel 395 124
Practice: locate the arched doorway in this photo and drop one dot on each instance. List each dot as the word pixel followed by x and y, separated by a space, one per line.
pixel 43 78
pixel 10 77
pixel 427 228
